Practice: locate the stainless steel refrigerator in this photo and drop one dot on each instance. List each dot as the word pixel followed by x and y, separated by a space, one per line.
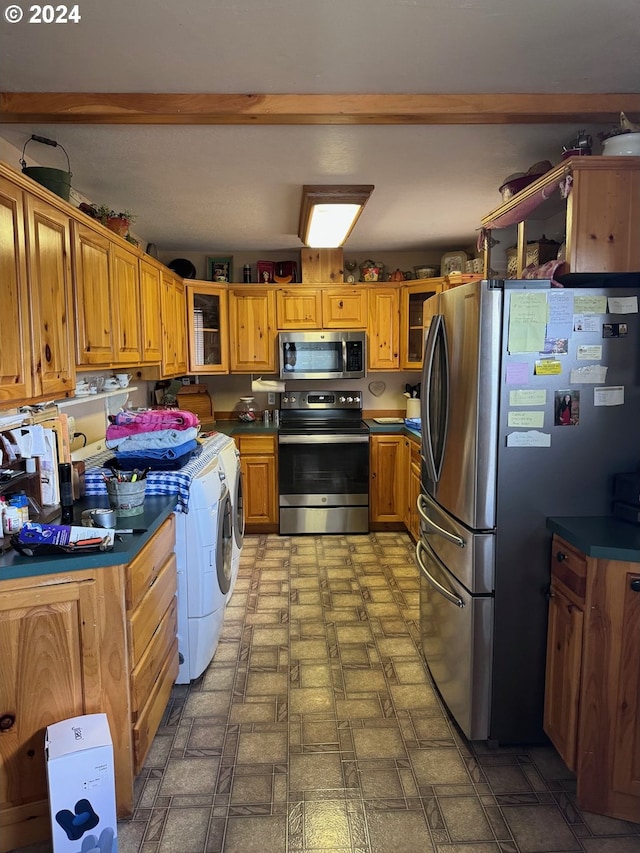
pixel 504 361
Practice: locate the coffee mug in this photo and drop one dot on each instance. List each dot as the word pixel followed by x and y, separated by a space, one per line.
pixel 123 379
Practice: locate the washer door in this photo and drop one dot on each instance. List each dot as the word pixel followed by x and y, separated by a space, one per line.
pixel 224 541
pixel 238 503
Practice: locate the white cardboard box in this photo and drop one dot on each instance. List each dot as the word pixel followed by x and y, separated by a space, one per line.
pixel 81 781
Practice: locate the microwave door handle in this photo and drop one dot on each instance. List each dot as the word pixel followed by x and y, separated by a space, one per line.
pixel 436 334
pixel 454 599
pixel 451 537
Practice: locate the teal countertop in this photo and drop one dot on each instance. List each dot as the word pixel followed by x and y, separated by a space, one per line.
pixel 156 510
pixel 603 537
pixel 238 428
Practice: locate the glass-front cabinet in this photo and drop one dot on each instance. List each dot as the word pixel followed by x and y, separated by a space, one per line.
pixel 415 318
pixel 208 328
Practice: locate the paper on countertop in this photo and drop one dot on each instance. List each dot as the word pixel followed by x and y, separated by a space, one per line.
pixel 272 385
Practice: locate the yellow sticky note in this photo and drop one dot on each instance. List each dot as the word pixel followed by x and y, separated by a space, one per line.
pixel 548 367
pixel 528 397
pixel 526 419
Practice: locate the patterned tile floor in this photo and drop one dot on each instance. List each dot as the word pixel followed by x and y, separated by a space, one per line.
pixel 316 728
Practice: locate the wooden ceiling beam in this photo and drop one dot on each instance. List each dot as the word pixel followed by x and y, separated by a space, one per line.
pixel 265 109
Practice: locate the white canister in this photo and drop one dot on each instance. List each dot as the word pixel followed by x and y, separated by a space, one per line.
pixel 11 519
pixel 413 407
pixel 622 145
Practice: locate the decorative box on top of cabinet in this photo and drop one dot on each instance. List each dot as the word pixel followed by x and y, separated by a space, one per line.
pixel 592 697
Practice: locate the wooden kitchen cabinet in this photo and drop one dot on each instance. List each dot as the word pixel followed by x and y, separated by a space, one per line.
pixel 49 273
pixel 259 464
pixel 602 214
pixel 383 333
pixel 83 641
pixel 15 365
pixel 151 583
pixel 64 654
pixel 107 300
pixel 252 324
pixel 207 328
pixel 299 308
pixel 412 463
pixel 387 499
pixel 592 694
pixel 344 308
pixel 150 277
pixel 415 320
pixel 174 325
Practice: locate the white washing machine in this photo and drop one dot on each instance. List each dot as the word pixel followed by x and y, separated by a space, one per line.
pixel 230 459
pixel 204 538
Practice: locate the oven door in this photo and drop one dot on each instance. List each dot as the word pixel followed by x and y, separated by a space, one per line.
pixel 323 483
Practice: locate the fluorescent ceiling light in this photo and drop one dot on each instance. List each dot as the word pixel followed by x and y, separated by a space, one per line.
pixel 329 213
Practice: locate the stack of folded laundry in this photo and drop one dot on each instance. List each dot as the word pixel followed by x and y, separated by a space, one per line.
pixel 153 438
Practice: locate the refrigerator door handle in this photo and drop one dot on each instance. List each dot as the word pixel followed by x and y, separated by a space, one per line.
pixel 436 334
pixel 422 502
pixel 454 599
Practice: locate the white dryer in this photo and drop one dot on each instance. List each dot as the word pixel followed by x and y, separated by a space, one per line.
pixel 204 539
pixel 230 460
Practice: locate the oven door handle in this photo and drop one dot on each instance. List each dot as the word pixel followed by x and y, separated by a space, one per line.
pixel 323 439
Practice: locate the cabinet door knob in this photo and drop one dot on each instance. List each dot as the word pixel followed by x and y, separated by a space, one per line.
pixel 561 556
pixel 6 722
pixel 635 585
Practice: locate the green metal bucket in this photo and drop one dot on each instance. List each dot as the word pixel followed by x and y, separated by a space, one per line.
pixel 56 180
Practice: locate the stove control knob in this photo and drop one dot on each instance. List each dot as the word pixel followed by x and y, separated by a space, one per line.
pixel 349 399
pixel 356 399
pixel 342 399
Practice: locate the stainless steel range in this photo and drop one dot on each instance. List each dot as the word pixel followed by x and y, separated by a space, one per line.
pixel 323 463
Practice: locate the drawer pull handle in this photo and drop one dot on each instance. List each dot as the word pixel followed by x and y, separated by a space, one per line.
pixel 152 581
pixel 635 584
pixel 561 556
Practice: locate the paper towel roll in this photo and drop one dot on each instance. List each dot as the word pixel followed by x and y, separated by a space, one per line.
pixel 413 408
pixel 267 385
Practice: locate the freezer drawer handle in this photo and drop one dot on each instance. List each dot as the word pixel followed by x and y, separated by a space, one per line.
pixel 428 521
pixel 454 599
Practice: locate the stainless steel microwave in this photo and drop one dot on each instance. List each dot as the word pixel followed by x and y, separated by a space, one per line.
pixel 322 355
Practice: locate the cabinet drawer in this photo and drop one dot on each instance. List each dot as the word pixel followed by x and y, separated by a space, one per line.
pixel 569 570
pixel 143 569
pixel 150 664
pixel 259 444
pixel 149 718
pixel 145 618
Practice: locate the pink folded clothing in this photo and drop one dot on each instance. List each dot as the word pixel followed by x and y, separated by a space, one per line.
pixel 133 423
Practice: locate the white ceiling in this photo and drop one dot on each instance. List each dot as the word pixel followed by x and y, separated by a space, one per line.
pixel 236 187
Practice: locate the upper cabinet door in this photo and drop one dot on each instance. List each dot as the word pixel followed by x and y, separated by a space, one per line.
pixel 344 308
pixel 125 297
pixel 208 328
pixel 299 308
pixel 174 336
pixel 415 319
pixel 252 330
pixel 150 311
pixel 15 363
pixel 383 351
pixel 93 302
pixel 49 269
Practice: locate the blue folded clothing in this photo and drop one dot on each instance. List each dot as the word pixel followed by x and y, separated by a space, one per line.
pixel 160 452
pixel 413 423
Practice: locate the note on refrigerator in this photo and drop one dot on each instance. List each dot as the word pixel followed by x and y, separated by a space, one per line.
pixel 610 395
pixel 623 305
pixel 533 438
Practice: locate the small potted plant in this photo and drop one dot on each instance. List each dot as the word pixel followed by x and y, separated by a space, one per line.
pixel 118 222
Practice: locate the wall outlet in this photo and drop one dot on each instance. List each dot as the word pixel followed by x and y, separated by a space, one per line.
pixel 271 398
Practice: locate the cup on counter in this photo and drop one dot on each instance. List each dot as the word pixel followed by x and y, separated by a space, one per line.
pixel 110 383
pixel 123 379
